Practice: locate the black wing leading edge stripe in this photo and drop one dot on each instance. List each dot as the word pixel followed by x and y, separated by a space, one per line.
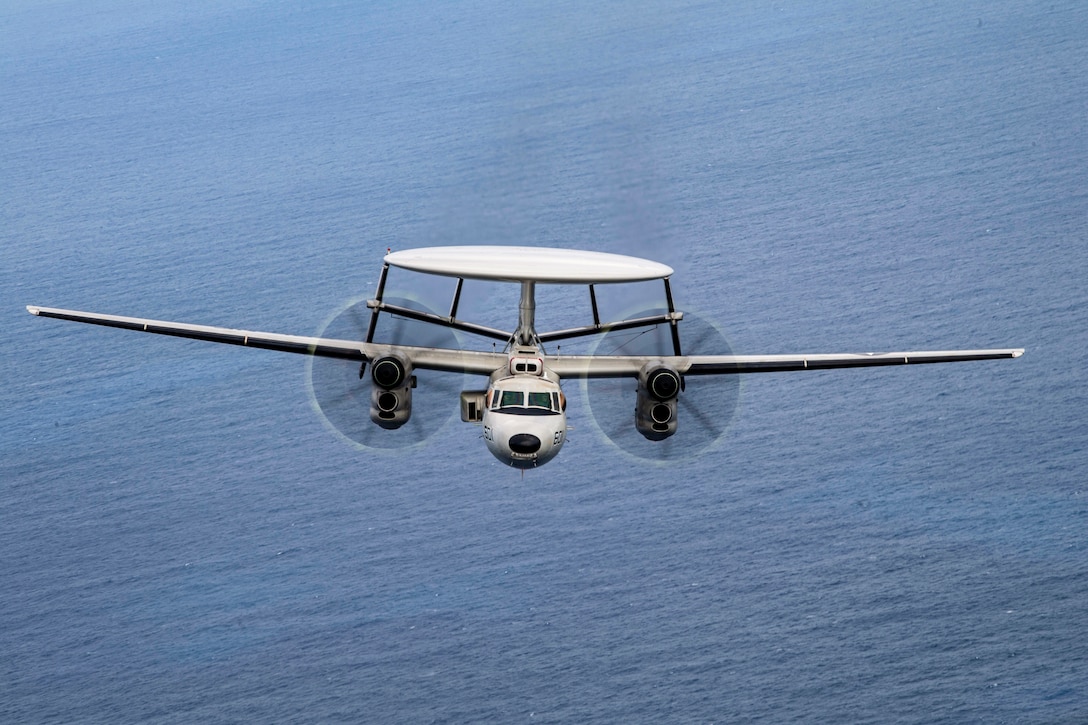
pixel 577 366
pixel 243 338
pixel 815 363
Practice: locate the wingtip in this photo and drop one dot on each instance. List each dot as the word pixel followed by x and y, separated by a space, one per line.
pixel 1018 353
pixel 33 310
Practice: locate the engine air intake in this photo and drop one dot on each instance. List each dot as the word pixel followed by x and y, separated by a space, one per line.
pixel 388 372
pixel 664 383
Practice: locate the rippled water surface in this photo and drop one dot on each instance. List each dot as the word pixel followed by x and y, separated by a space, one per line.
pixel 182 538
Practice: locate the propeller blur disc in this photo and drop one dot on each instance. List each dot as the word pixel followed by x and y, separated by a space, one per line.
pixel 706 407
pixel 342 398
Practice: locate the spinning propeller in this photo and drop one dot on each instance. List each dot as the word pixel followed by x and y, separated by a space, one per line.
pixel 706 406
pixel 341 391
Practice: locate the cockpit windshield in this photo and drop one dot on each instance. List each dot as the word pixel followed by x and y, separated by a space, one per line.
pixel 511 398
pixel 540 400
pixel 519 402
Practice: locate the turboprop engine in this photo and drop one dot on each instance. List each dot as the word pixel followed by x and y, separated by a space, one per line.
pixel 391 393
pixel 655 411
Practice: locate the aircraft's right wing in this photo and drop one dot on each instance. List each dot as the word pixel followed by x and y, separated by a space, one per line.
pixel 717 364
pixel 425 358
pixel 612 366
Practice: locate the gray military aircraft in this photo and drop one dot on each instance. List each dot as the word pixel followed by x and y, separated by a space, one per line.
pixel 522 410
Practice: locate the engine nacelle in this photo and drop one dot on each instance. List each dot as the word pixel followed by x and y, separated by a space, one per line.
pixel 655 411
pixel 391 392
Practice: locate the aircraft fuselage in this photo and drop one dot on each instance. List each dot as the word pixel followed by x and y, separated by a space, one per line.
pixel 524 417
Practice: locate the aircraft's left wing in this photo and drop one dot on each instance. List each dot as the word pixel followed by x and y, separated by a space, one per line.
pixel 426 358
pixel 586 366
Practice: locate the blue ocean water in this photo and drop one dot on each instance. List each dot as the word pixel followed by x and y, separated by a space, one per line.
pixel 182 539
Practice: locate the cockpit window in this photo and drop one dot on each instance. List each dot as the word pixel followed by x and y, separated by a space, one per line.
pixel 518 402
pixel 511 397
pixel 540 400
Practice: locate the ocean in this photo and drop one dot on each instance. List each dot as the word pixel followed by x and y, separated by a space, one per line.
pixel 184 539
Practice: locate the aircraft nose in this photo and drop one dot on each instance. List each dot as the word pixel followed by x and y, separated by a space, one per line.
pixel 524 443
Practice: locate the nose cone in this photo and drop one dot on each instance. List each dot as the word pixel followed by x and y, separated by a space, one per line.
pixel 524 443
